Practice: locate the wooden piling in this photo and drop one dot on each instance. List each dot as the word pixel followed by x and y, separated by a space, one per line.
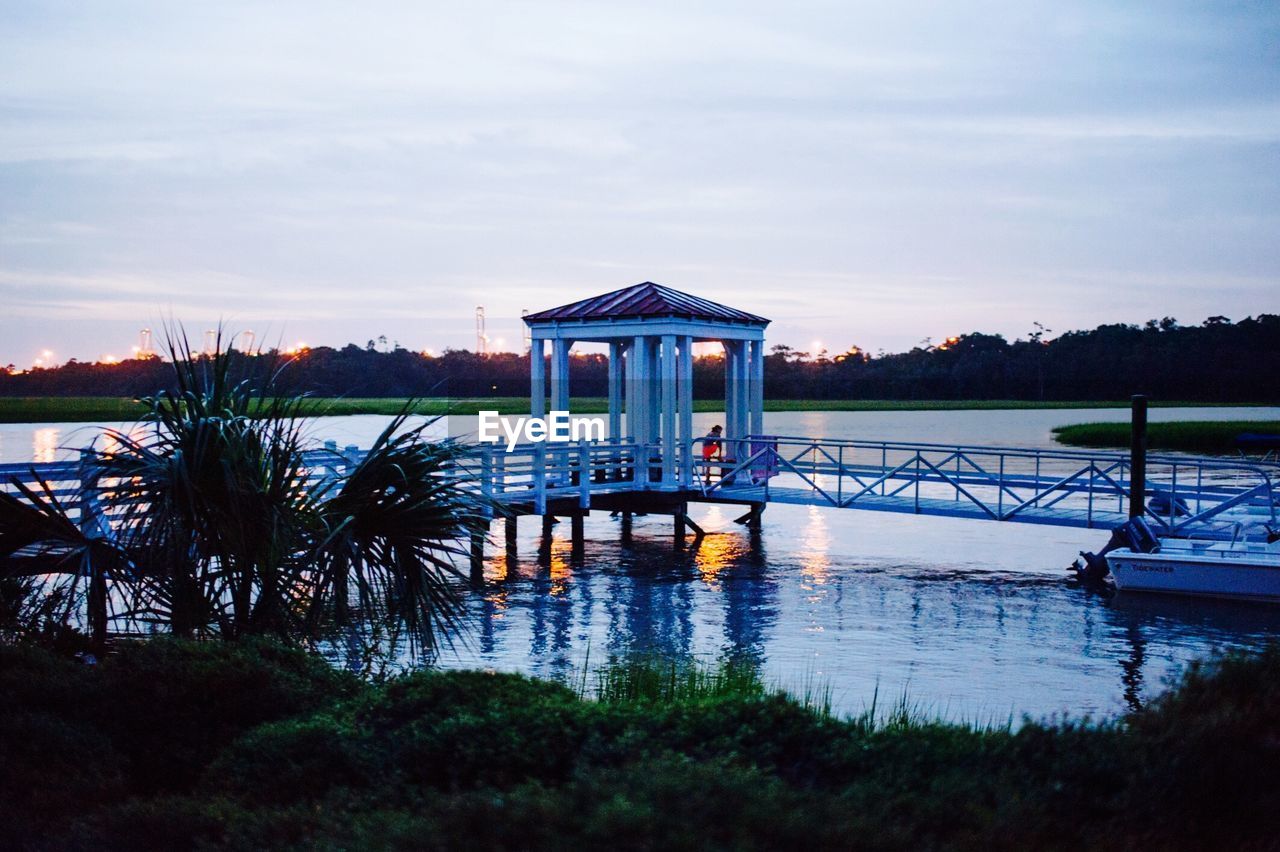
pixel 90 525
pixel 678 517
pixel 477 557
pixel 577 538
pixel 1137 456
pixel 510 530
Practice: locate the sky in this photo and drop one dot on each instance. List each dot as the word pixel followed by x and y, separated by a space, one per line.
pixel 861 173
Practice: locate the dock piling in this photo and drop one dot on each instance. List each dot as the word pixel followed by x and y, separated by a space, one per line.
pixel 577 536
pixel 477 557
pixel 510 531
pixel 1138 456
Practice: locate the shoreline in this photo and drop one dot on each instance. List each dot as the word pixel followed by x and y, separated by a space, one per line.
pixel 83 409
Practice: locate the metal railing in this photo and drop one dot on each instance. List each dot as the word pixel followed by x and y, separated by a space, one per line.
pixel 1183 495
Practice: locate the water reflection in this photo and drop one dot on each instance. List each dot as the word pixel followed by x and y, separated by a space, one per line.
pixel 44 445
pixel 972 619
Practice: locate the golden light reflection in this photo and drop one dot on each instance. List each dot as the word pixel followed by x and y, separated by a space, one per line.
pixel 561 572
pixel 44 445
pixel 815 555
pixel 715 553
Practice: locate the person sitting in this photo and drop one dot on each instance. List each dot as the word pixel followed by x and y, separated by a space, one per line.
pixel 712 449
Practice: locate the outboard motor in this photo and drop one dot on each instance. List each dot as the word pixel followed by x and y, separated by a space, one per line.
pixel 1135 535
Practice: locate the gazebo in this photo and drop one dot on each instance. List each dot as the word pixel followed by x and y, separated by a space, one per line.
pixel 651 330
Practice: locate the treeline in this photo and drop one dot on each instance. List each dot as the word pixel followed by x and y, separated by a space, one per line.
pixel 1216 361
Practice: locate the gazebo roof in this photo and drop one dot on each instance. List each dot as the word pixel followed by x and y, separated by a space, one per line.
pixel 647 300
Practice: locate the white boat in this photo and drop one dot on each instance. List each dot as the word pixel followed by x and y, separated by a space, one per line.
pixel 1233 569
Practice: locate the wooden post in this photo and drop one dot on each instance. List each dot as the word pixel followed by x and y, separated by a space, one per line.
pixel 626 527
pixel 540 479
pixel 91 526
pixel 544 543
pixel 680 527
pixel 577 535
pixel 1137 456
pixel 510 530
pixel 499 473
pixel 486 476
pixel 584 474
pixel 477 557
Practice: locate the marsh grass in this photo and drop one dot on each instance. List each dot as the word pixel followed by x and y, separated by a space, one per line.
pixel 653 679
pixel 1194 436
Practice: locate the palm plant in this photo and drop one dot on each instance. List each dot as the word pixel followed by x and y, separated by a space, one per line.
pixel 393 525
pixel 220 527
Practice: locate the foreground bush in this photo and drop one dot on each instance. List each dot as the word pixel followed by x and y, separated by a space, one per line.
pixel 173 745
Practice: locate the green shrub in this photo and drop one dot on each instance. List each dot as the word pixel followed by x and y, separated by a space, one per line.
pixel 296 759
pixel 172 705
pixel 304 758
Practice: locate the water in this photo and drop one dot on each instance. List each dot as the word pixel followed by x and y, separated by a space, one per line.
pixel 971 619
pixel 22 442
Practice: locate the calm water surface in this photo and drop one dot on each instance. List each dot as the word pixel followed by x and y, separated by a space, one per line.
pixel 971 619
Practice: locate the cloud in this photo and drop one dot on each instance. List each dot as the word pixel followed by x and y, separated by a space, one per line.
pixel 862 172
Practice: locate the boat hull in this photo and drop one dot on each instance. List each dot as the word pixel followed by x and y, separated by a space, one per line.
pixel 1247 576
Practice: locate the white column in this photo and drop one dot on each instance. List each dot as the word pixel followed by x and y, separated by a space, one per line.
pixel 629 389
pixel 729 361
pixel 615 390
pixel 685 432
pixel 736 426
pixel 642 374
pixel 670 441
pixel 744 395
pixel 757 387
pixel 537 378
pixel 560 374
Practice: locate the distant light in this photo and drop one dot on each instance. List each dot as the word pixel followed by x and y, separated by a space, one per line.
pixel 428 352
pixel 817 346
pixel 46 354
pixel 108 359
pixel 499 343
